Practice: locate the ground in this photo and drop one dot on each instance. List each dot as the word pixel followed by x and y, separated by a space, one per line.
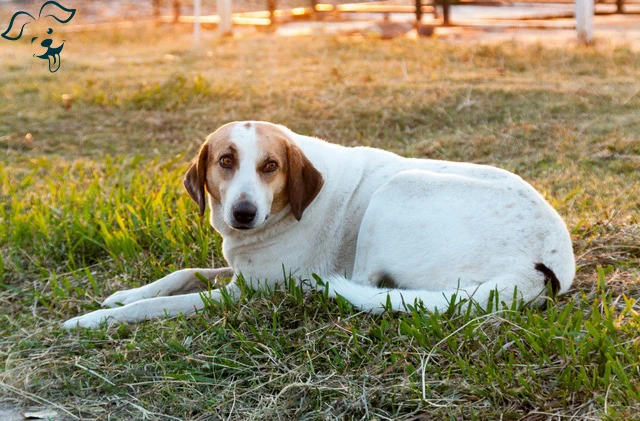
pixel 92 202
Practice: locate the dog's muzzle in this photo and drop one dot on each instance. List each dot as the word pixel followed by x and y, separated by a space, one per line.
pixel 244 213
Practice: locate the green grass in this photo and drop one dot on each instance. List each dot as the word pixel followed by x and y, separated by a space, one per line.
pixel 92 202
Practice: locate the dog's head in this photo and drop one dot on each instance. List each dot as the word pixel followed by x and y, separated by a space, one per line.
pixel 252 170
pixel 51 14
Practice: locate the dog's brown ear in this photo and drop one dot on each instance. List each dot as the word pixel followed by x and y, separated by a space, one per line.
pixel 304 181
pixel 195 178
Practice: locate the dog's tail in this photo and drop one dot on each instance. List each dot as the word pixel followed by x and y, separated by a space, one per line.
pixel 376 300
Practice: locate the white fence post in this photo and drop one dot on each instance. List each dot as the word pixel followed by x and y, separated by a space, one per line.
pixel 196 22
pixel 224 11
pixel 584 20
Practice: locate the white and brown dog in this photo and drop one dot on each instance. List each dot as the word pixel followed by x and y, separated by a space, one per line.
pixel 375 226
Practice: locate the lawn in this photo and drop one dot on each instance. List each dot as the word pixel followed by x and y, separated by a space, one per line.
pixel 92 202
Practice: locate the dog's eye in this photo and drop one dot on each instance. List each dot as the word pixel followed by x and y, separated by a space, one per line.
pixel 226 162
pixel 49 31
pixel 270 166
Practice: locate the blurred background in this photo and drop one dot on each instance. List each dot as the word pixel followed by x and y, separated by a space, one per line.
pixel 303 16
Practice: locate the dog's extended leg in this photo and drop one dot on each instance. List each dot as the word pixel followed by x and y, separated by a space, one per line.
pixel 150 308
pixel 179 282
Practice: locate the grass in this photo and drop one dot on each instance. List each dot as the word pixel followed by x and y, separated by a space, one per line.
pixel 92 203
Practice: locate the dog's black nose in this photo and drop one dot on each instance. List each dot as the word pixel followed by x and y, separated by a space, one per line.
pixel 46 43
pixel 244 212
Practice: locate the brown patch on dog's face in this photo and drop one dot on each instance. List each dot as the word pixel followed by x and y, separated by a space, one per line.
pixel 283 174
pixel 301 181
pixel 206 173
pixel 273 145
pixel 223 162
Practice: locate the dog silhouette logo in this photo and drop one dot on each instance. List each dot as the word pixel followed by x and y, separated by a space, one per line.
pixel 49 12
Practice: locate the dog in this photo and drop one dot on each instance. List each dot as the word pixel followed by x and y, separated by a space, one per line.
pixel 377 228
pixel 50 12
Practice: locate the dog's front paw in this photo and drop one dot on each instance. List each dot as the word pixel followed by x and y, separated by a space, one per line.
pixel 125 297
pixel 90 320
